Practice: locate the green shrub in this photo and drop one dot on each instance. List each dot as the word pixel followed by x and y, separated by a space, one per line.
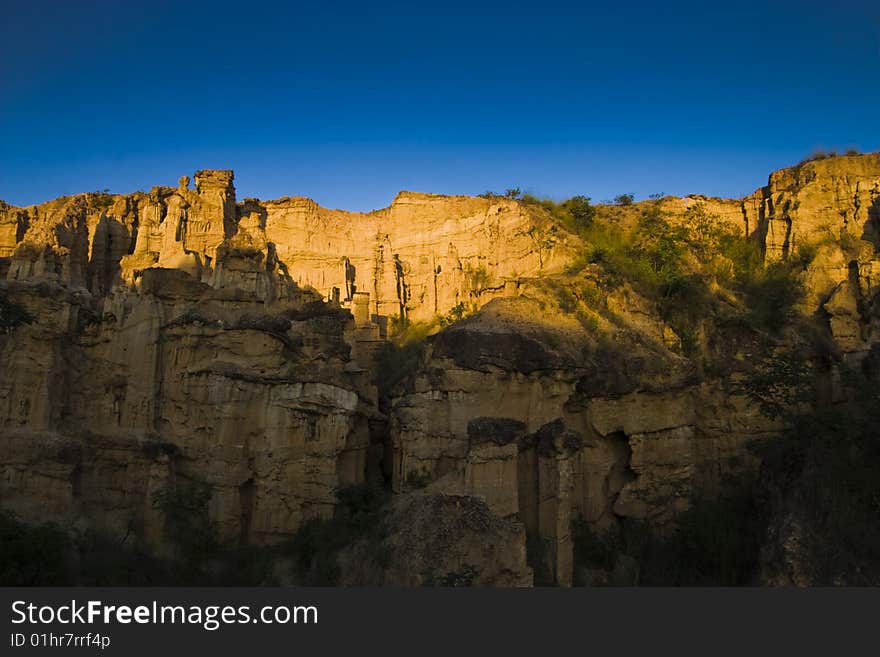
pixel 707 234
pixel 317 544
pixel 825 468
pixel 565 299
pixel 478 278
pixel 837 490
pixel 673 263
pixel 822 154
pixel 187 523
pixel 457 313
pixel 805 254
pixel 46 555
pixel 32 555
pixel 818 154
pixel 771 295
pixel 399 357
pixel 659 247
pixel 589 321
pixel 849 244
pixel 457 578
pixel 716 542
pixel 575 214
pixel 580 210
pixel 781 384
pixel 99 201
pixel 685 302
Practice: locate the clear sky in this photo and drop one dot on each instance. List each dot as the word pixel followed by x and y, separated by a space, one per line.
pixel 349 102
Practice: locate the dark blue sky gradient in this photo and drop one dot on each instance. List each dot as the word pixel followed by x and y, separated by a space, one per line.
pixel 350 102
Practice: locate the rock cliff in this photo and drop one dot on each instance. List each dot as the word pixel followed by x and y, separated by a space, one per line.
pixel 157 341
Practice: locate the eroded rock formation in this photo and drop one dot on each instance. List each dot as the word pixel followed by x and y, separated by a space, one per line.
pixel 181 336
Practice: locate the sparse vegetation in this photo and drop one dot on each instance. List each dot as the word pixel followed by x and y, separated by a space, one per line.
pixel 188 525
pixel 707 235
pixel 317 544
pixel 457 313
pixel 822 154
pixel 702 276
pixel 830 463
pixel 32 555
pixel 400 356
pixel 48 555
pixel 823 473
pixel 780 384
pixel 458 578
pixel 771 294
pixel 477 277
pixel 99 201
pixel 675 263
pixel 580 210
pixel 716 542
pixel 574 214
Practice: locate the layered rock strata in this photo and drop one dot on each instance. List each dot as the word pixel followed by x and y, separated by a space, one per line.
pixel 180 336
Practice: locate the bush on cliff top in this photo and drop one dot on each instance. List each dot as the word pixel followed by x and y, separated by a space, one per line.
pixel 822 154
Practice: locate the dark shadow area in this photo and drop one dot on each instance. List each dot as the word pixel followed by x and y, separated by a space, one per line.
pixel 872 225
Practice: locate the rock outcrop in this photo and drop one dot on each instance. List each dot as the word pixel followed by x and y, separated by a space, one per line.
pixel 179 336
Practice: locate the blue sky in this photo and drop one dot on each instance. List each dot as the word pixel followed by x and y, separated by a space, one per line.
pixel 350 102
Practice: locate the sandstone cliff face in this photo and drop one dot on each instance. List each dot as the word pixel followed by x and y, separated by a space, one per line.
pixel 153 360
pixel 546 424
pixel 153 390
pixel 181 336
pixel 643 432
pixel 178 336
pixel 420 257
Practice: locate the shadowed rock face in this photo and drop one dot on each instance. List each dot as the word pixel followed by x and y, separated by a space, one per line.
pixel 440 540
pixel 180 336
pixel 501 431
pixel 523 347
